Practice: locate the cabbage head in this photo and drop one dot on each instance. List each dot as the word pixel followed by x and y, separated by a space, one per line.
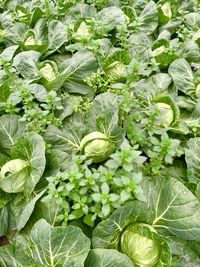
pixel 48 73
pixel 97 146
pixel 117 72
pixel 166 114
pixel 143 250
pixel 83 32
pixel 32 41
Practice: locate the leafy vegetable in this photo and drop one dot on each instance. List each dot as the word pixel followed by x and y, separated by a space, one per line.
pixel 99 133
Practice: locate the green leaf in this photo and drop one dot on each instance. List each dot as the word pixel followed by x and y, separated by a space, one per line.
pixel 107 233
pixel 75 70
pixel 15 34
pixel 109 18
pixel 193 20
pixel 48 210
pixel 23 214
pixel 4 221
pixel 4 92
pixel 140 46
pixel 11 128
pixel 7 257
pixel 47 245
pixel 182 76
pixel 175 208
pixel 191 51
pixel 67 138
pixel 161 80
pixel 57 35
pixel 26 64
pixel 148 18
pixel 8 53
pixel 107 258
pixel 192 157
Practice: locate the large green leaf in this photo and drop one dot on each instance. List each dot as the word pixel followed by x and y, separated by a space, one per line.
pixel 140 46
pixel 57 35
pixel 76 69
pixel 8 53
pixel 81 10
pixel 148 18
pixel 47 209
pixel 174 207
pixel 161 80
pixel 7 257
pixel 26 64
pixel 11 128
pixel 193 20
pixel 109 18
pixel 182 76
pixel 107 232
pixel 15 33
pixel 68 137
pixel 47 245
pixel 23 211
pixel 191 51
pixel 103 115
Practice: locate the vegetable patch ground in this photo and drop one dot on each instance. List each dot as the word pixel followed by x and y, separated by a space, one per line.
pixel 99 133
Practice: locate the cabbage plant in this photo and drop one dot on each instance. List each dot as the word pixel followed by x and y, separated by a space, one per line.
pixel 146 231
pixel 22 173
pixel 101 121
